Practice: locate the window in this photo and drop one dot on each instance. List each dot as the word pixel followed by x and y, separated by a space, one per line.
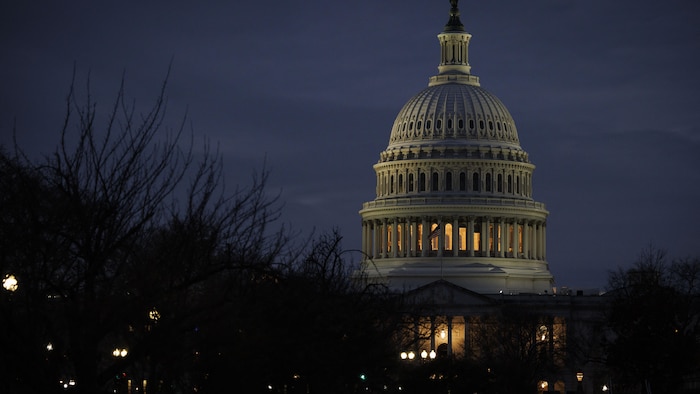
pixel 488 182
pixel 462 181
pixel 449 124
pixel 499 183
pixel 400 183
pixel 410 182
pixel 391 184
pixel 448 181
pixel 438 124
pixel 475 182
pixel 421 182
pixel 435 182
pixel 471 124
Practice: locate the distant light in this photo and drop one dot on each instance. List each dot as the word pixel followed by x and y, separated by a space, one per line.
pixel 119 352
pixel 411 355
pixel 404 355
pixel 605 387
pixel 433 354
pixel 424 354
pixel 10 282
pixel 154 315
pixel 579 376
pixel 49 346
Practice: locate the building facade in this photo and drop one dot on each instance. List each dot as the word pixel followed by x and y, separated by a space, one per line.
pixel 455 227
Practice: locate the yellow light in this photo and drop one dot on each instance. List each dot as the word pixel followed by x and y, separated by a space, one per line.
pixel 411 355
pixel 579 376
pixel 424 354
pixel 443 334
pixel 404 355
pixel 432 354
pixel 10 282
pixel 153 314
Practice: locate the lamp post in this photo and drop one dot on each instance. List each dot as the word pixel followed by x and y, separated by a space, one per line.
pixel 579 380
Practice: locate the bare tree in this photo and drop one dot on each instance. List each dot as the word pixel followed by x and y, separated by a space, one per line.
pixel 114 249
pixel 654 323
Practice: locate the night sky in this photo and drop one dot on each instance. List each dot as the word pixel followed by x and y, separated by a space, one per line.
pixel 604 94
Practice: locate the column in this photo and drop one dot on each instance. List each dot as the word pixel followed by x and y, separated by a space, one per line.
pixel 504 237
pixel 432 332
pixel 526 239
pixel 455 236
pixel 449 336
pixel 485 236
pixel 407 237
pixel 384 238
pixel 395 238
pixel 516 238
pixel 470 235
pixel 414 239
pixel 441 237
pixel 424 237
pixel 544 240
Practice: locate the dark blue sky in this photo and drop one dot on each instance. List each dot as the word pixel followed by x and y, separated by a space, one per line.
pixel 604 94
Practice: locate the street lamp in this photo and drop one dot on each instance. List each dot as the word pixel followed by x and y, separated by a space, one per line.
pixel 579 379
pixel 117 352
pixel 10 283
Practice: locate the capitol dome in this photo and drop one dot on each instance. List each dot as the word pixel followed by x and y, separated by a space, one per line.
pixel 454 113
pixel 454 189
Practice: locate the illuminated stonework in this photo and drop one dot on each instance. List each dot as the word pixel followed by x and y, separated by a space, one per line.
pixel 454 190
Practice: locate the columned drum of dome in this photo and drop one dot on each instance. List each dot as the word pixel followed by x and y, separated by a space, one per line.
pixel 454 189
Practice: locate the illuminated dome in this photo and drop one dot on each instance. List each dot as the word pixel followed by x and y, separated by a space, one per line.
pixel 454 189
pixel 454 113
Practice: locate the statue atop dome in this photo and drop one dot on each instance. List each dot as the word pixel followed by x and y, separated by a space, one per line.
pixel 454 24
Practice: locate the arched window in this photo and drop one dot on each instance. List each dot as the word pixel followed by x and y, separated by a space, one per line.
pixel 435 182
pixel 448 181
pixel 475 182
pixel 400 183
pixel 488 183
pixel 410 182
pixel 499 183
pixel 462 181
pixel 391 184
pixel 449 124
pixel 517 185
pixel 421 182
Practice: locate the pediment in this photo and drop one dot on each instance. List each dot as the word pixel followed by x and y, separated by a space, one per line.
pixel 444 293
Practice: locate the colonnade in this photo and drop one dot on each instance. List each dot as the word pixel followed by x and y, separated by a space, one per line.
pixel 442 330
pixel 457 236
